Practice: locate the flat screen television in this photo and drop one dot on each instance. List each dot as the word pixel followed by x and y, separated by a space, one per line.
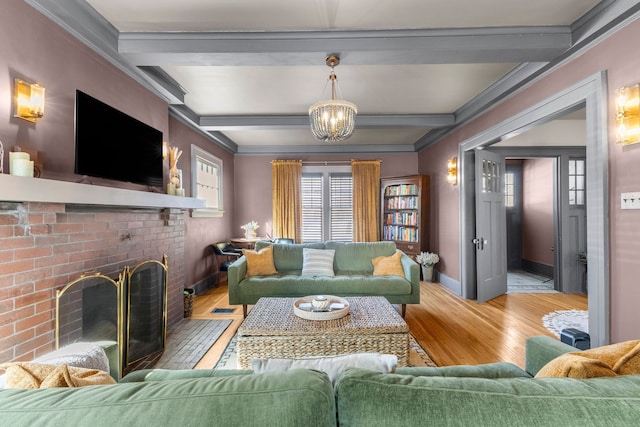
pixel 113 145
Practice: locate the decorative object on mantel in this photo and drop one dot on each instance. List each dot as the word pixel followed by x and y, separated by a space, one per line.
pixel 427 260
pixel 333 120
pixel 250 230
pixel 20 163
pixel 174 173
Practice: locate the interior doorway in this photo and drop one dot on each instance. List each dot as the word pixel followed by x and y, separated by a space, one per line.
pixel 589 94
pixel 530 191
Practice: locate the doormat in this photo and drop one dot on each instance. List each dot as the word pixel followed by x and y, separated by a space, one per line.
pixel 223 310
pixel 417 356
pixel 189 342
pixel 558 320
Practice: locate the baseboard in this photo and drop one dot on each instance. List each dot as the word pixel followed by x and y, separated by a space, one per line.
pixel 537 268
pixel 452 284
pixel 205 284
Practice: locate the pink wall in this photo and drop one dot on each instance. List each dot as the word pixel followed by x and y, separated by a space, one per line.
pixel 623 67
pixel 537 210
pixel 202 232
pixel 34 48
pixel 253 183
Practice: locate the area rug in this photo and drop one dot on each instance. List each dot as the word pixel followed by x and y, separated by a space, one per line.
pixel 558 320
pixel 189 341
pixel 524 282
pixel 417 355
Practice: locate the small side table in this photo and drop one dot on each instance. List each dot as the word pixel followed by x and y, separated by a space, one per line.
pixel 243 242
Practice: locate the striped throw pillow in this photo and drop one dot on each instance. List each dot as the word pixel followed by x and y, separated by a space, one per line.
pixel 317 262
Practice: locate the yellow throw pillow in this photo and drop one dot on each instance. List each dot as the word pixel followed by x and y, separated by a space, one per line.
pixel 388 265
pixel 39 375
pixel 260 263
pixel 606 361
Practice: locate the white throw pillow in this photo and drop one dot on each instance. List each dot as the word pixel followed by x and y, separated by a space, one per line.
pixel 317 262
pixel 332 365
pixel 80 354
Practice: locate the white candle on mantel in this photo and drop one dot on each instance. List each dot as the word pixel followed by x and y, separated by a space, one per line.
pixel 22 167
pixel 13 155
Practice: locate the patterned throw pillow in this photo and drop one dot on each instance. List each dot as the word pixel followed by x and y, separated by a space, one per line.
pixel 388 265
pixel 260 263
pixel 317 262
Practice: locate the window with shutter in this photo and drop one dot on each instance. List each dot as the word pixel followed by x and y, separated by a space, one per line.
pixel 206 181
pixel 327 204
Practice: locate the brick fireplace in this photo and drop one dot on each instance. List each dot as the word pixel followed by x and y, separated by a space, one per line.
pixel 44 246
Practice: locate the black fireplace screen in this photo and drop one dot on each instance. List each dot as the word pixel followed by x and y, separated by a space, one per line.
pixel 146 315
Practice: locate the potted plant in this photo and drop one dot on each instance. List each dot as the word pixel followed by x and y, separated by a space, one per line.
pixel 427 260
pixel 250 229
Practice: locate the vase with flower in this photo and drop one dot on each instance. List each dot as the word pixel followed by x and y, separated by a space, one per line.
pixel 427 260
pixel 250 230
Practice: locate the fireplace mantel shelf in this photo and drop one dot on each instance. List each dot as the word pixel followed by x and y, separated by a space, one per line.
pixel 25 189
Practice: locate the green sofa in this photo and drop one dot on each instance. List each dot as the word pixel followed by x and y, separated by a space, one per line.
pixel 498 394
pixel 353 275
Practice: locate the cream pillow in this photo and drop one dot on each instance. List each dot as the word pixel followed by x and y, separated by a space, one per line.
pixel 260 263
pixel 317 262
pixel 332 365
pixel 388 265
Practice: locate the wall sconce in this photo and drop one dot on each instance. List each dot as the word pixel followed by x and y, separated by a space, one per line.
pixel 628 114
pixel 29 100
pixel 452 170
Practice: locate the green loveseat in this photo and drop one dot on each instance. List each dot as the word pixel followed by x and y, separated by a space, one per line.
pixel 353 275
pixel 498 394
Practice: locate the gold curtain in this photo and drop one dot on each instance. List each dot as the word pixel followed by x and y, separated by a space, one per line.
pixel 366 200
pixel 287 198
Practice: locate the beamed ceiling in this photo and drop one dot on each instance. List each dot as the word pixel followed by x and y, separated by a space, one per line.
pixel 245 72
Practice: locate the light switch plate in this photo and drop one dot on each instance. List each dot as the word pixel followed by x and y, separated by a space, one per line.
pixel 630 200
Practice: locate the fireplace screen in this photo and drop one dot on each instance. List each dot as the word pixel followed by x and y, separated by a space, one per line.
pixel 87 309
pixel 146 316
pixel 131 311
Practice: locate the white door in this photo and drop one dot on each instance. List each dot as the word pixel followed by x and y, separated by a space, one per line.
pixel 491 232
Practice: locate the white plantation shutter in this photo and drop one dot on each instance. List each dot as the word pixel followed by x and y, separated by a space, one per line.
pixel 327 207
pixel 311 207
pixel 341 196
pixel 206 181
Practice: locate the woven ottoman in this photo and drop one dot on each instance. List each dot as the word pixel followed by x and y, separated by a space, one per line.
pixel 272 330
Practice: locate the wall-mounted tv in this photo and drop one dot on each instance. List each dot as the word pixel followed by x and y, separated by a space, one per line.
pixel 113 145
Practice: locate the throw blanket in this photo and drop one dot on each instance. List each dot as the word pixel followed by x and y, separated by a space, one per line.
pixel 38 375
pixel 606 361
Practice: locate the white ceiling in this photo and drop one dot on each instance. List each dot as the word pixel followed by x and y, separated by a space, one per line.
pixel 246 71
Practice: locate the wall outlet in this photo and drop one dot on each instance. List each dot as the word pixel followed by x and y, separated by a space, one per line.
pixel 630 200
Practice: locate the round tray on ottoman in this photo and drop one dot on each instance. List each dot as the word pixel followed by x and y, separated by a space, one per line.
pixel 337 308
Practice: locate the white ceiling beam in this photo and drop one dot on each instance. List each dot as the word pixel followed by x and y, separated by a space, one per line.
pixel 372 121
pixel 424 46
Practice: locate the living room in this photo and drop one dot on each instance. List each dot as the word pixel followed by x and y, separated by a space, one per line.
pixel 45 245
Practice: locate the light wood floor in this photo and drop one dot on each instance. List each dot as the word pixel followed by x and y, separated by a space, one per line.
pixel 453 330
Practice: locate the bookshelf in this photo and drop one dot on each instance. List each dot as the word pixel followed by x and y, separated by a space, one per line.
pixel 405 212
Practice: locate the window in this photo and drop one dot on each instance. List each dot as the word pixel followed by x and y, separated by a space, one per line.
pixel 206 182
pixel 509 190
pixel 327 204
pixel 576 182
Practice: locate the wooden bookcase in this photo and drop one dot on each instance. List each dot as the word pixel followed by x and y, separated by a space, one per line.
pixel 405 212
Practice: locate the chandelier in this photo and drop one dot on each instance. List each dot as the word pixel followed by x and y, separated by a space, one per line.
pixel 335 119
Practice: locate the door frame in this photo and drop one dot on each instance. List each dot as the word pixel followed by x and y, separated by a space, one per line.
pixel 560 155
pixel 590 94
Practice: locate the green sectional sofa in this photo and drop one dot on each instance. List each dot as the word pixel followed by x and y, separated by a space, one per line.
pixel 353 275
pixel 498 394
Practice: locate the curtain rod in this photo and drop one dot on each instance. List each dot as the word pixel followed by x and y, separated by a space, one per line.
pixel 329 162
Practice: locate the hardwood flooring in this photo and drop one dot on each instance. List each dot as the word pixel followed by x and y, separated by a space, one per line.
pixel 454 331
